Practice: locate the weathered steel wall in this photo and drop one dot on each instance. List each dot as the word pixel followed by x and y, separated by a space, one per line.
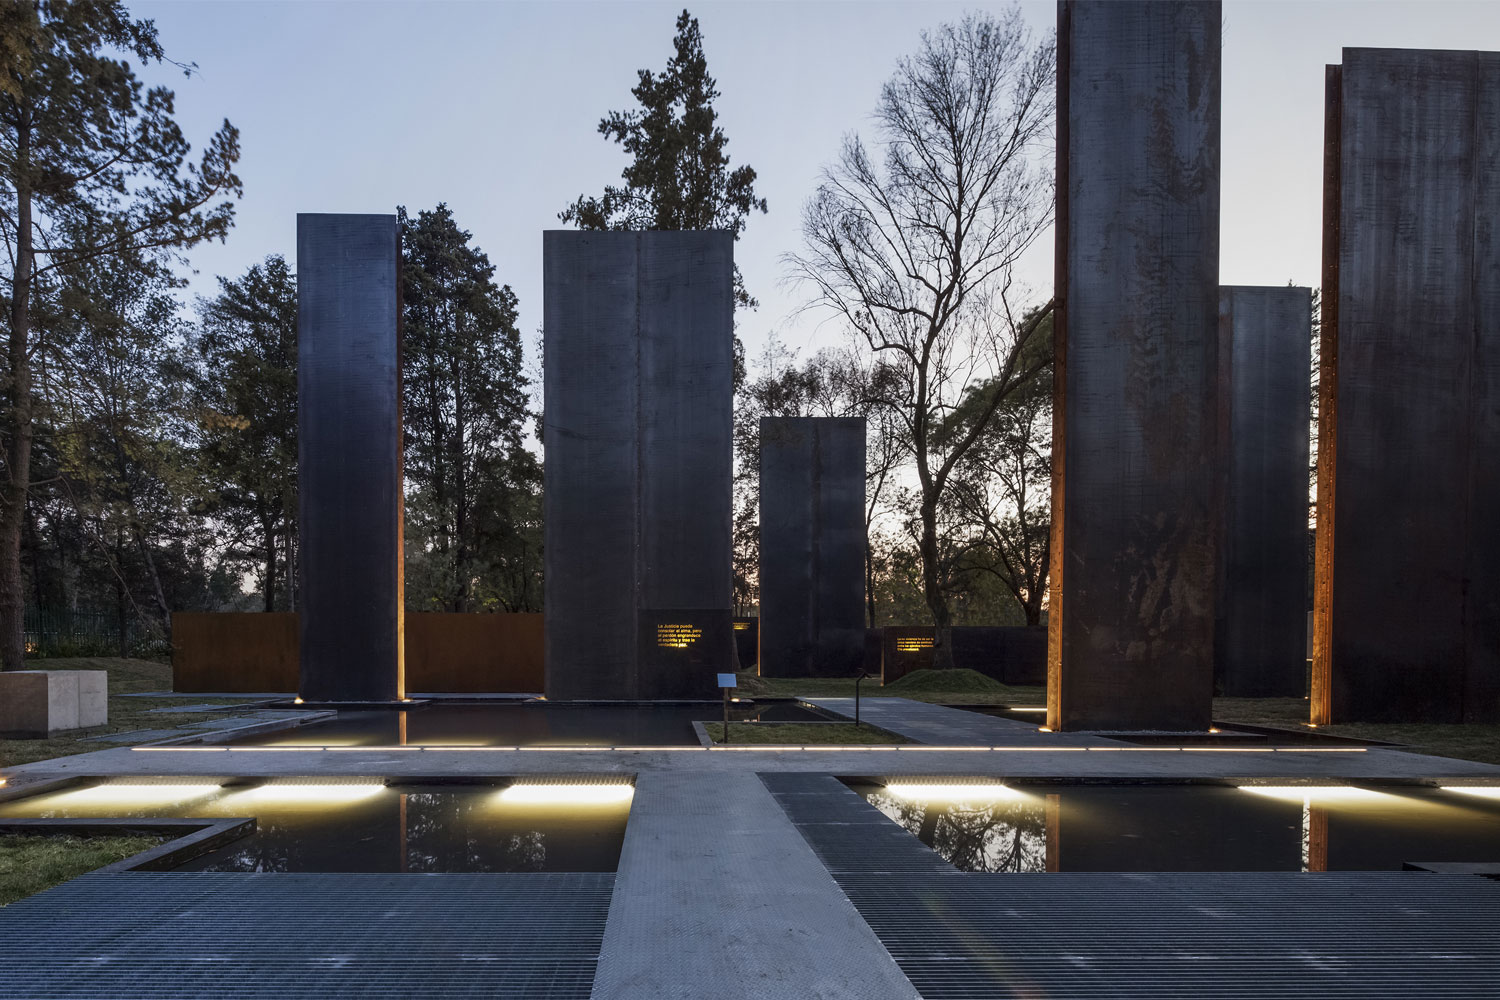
pixel 483 653
pixel 1408 623
pixel 747 642
pixel 1265 343
pixel 445 653
pixel 1135 507
pixel 1010 654
pixel 252 653
pixel 349 457
pixel 812 546
pixel 638 370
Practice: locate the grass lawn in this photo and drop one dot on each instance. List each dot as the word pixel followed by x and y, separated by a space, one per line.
pixel 29 864
pixel 125 677
pixel 801 733
pixel 1476 742
pixel 939 687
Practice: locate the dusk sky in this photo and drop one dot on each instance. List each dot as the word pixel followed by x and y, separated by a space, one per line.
pixel 493 108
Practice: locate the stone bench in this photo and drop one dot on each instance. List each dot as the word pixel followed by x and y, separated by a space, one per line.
pixel 37 703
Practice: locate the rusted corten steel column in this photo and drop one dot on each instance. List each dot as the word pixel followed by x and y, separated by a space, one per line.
pixel 1136 508
pixel 349 465
pixel 812 546
pixel 1407 616
pixel 1265 339
pixel 639 384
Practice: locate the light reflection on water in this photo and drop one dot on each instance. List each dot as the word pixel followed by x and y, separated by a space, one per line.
pixel 1124 828
pixel 365 827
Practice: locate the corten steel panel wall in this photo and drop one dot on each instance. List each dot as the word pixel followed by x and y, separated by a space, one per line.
pixel 445 653
pixel 448 653
pixel 812 546
pixel 248 652
pixel 349 457
pixel 1136 506
pixel 1408 618
pixel 639 367
pixel 1265 336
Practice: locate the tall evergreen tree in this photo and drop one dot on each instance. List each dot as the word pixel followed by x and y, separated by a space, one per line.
pixel 473 498
pixel 91 165
pixel 679 178
pixel 244 355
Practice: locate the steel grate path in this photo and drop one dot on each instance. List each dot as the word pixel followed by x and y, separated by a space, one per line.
pixel 181 935
pixel 962 936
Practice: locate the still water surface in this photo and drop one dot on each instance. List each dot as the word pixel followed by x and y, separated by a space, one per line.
pixel 1139 828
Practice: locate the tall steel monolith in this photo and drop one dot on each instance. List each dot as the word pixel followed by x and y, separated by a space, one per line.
pixel 1265 339
pixel 639 371
pixel 349 457
pixel 812 546
pixel 1136 510
pixel 1407 590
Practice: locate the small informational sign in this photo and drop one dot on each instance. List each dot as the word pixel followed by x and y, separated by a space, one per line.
pixel 727 681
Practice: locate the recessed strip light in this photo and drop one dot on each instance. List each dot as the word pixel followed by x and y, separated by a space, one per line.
pixel 567 794
pixel 1318 793
pixel 1483 791
pixel 949 792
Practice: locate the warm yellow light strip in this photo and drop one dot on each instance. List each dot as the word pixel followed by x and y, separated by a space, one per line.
pixel 952 792
pixel 1323 793
pixel 1483 791
pixel 565 794
pixel 135 794
pixel 327 793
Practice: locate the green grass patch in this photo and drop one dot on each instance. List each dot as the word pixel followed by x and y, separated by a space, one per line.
pixel 959 689
pixel 29 864
pixel 801 733
pixel 1473 742
pixel 125 677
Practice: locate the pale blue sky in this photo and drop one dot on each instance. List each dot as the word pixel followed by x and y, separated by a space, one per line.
pixel 492 107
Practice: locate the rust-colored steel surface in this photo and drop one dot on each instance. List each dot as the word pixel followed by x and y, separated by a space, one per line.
pixel 445 653
pixel 1328 400
pixel 234 652
pixel 474 653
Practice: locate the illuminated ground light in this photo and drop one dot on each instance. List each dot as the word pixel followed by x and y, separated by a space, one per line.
pixel 972 792
pixel 128 793
pixel 1318 793
pixel 321 793
pixel 1483 791
pixel 567 794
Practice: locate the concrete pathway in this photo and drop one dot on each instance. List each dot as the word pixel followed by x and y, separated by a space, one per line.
pixel 940 726
pixel 719 896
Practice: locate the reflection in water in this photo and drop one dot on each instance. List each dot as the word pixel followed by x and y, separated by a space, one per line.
pixel 1008 834
pixel 525 724
pixel 1136 828
pixel 366 826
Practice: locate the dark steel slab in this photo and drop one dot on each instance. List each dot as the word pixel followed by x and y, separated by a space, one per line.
pixel 812 546
pixel 639 371
pixel 1136 511
pixel 1265 342
pixel 349 457
pixel 1408 624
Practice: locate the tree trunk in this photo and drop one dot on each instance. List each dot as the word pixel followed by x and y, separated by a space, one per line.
pixel 18 428
pixel 932 590
pixel 268 532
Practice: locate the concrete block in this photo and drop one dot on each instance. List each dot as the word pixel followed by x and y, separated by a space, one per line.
pixel 93 698
pixel 812 546
pixel 1136 512
pixel 637 431
pixel 349 458
pixel 1407 596
pixel 1265 339
pixel 36 703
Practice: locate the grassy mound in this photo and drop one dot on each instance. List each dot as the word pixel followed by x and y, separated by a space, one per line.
pixel 956 681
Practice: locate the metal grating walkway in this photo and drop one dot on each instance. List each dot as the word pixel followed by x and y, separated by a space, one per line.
pixel 961 936
pixel 180 935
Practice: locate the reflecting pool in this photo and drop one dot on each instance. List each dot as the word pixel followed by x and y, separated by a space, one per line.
pixel 1159 828
pixel 366 826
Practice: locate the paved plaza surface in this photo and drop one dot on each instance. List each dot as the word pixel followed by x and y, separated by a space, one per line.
pixel 754 873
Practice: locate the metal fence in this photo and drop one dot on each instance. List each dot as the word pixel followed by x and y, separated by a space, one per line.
pixel 66 632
